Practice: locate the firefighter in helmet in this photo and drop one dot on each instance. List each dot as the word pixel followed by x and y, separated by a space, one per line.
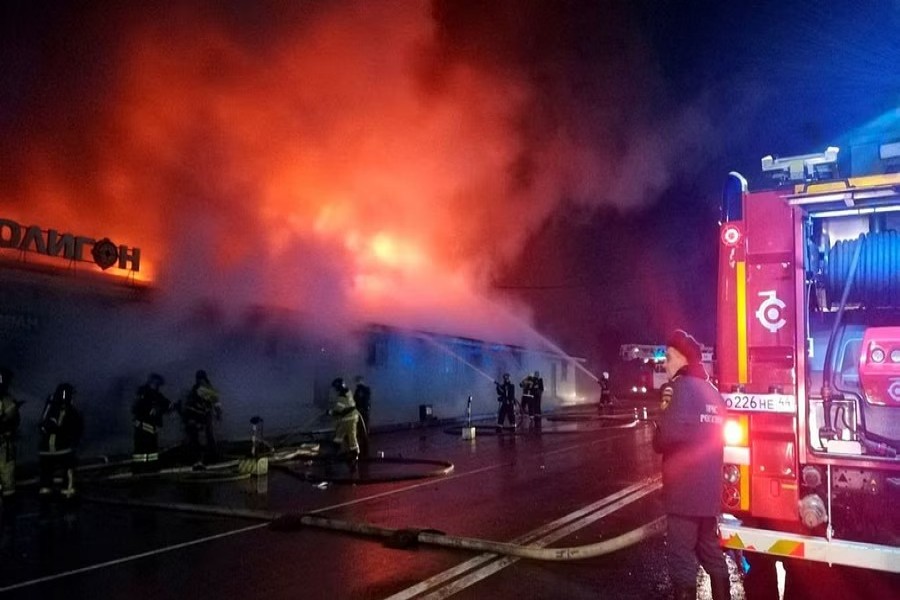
pixel 198 411
pixel 362 397
pixel 61 427
pixel 9 433
pixel 506 398
pixel 149 407
pixel 527 386
pixel 537 391
pixel 689 437
pixel 343 410
pixel 605 394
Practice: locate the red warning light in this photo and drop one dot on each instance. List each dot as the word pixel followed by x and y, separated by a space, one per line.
pixel 731 235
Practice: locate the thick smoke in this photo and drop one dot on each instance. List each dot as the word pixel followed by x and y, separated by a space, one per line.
pixel 316 166
pixel 343 160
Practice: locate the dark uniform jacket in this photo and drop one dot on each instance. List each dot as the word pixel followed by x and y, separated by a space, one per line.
pixel 527 386
pixel 9 426
pixel 9 417
pixel 506 393
pixel 362 397
pixel 61 428
pixel 537 387
pixel 149 407
pixel 689 436
pixel 202 403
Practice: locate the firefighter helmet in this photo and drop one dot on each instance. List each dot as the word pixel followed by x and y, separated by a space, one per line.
pixel 202 376
pixel 64 393
pixel 339 386
pixel 155 380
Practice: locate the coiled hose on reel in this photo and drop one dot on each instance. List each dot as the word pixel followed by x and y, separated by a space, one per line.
pixel 877 280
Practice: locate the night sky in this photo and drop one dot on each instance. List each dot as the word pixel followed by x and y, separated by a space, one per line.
pixel 602 131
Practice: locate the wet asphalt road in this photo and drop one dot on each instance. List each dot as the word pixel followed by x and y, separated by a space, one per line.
pixel 501 488
pixel 505 488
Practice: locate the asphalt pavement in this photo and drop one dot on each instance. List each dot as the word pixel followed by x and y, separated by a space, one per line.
pixel 573 482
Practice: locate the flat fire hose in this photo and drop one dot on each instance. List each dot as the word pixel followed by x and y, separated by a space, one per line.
pixel 406 538
pixel 412 536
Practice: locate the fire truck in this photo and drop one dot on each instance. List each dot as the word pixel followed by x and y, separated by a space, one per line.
pixel 808 359
pixel 642 370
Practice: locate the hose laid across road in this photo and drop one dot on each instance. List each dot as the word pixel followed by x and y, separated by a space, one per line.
pixel 435 538
pixel 407 538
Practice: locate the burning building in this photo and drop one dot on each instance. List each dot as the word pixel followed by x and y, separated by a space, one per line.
pixel 105 330
pixel 202 187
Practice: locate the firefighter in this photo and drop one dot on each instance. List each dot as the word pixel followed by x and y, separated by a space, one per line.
pixel 605 395
pixel 149 407
pixel 537 391
pixel 201 405
pixel 61 427
pixel 9 434
pixel 689 437
pixel 506 397
pixel 527 386
pixel 343 410
pixel 362 397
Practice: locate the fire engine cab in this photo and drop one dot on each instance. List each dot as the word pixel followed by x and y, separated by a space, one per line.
pixel 808 358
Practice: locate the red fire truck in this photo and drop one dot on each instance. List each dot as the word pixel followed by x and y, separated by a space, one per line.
pixel 808 359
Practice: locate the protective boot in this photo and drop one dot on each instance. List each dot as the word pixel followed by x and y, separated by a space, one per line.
pixel 353 460
pixel 720 588
pixel 688 592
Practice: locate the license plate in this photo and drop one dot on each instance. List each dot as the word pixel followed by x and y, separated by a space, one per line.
pixel 777 403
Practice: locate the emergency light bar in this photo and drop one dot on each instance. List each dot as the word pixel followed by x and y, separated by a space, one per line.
pixel 802 167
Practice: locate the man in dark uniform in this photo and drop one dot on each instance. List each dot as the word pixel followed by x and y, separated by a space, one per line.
pixel 537 391
pixel 201 406
pixel 61 428
pixel 605 395
pixel 506 397
pixel 689 436
pixel 527 386
pixel 149 407
pixel 9 435
pixel 362 396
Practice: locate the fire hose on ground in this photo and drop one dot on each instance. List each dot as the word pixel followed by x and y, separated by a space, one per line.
pixel 411 538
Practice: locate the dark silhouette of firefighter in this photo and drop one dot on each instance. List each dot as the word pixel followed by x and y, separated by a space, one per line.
pixel 343 410
pixel 605 393
pixel 9 434
pixel 506 398
pixel 61 428
pixel 148 410
pixel 197 412
pixel 689 437
pixel 527 401
pixel 537 392
pixel 362 397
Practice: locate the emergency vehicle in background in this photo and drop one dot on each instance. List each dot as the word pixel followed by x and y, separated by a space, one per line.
pixel 642 368
pixel 808 359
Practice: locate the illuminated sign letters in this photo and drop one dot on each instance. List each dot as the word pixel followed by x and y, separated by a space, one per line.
pixel 104 253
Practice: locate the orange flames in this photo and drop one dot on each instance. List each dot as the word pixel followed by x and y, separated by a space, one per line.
pixel 321 160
